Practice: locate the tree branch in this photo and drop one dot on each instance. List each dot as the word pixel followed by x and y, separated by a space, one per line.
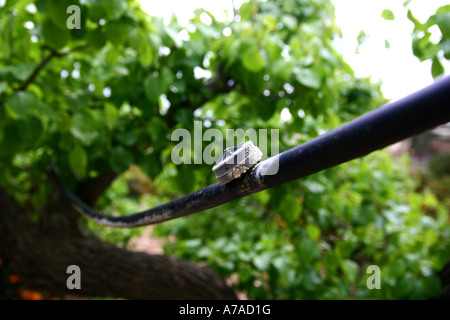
pixel 90 189
pixel 40 252
pixel 53 53
pixel 36 71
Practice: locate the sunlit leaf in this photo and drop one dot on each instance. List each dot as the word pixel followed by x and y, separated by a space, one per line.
pixel 82 128
pixel 436 68
pixel 307 77
pixel 253 60
pixel 388 14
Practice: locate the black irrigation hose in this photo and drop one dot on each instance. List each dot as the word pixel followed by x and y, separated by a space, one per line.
pixel 377 129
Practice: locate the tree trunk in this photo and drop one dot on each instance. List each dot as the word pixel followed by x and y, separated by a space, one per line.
pixel 40 252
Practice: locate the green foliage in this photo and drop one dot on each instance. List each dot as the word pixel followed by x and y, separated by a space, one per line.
pixel 426 49
pixel 78 160
pixel 440 165
pixel 362 213
pixel 106 98
pixel 388 14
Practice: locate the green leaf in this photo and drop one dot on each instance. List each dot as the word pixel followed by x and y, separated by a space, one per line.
pixel 185 179
pixel 387 45
pixel 291 209
pixel 443 9
pixel 281 69
pixel 307 77
pixel 151 165
pixel 313 186
pixel 193 243
pixel 77 102
pixel 266 107
pixel 153 87
pixel 350 269
pixel 169 35
pixel 418 26
pixel 157 128
pixel 117 32
pixel 313 232
pixel 167 78
pixel 11 142
pixel 97 148
pixel 361 38
pixel 185 117
pixel 78 160
pixel 253 60
pixel 307 250
pixel 96 38
pixel 114 8
pixel 6 36
pixel 432 286
pixel 112 56
pixel 140 41
pixel 157 84
pixel 253 82
pixel 404 286
pixel 289 21
pixel 3 86
pixel 331 262
pixel 127 138
pixel 388 14
pixel 54 36
pixel 277 196
pixel 262 261
pixel 443 22
pixel 111 115
pixel 146 54
pixel 423 48
pixel 20 72
pixel 311 279
pixel 120 159
pixel 445 46
pixel 20 104
pixel 83 128
pixel 436 68
pixel 136 38
pixel 344 249
pixel 57 11
pixel 29 131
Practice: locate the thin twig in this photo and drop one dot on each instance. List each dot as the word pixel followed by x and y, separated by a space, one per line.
pixel 36 71
pixel 53 53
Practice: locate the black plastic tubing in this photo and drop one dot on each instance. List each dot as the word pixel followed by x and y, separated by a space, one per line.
pixel 416 113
